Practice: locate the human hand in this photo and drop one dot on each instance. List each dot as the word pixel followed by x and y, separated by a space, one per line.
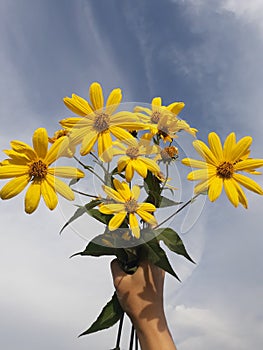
pixel 141 297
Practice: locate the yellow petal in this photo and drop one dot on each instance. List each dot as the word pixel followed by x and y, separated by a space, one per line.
pixel 32 197
pixel 69 123
pixel 96 96
pixel 146 110
pixel 78 105
pixel 147 217
pixel 215 145
pixel 205 152
pixel 241 148
pixel 129 172
pixel 231 191
pixel 88 142
pixel 60 187
pixel 7 171
pixel 202 186
pixel 113 101
pixel 22 147
pixel 215 188
pixel 57 149
pixel 147 207
pixel 140 167
pixel 113 194
pixel 241 195
pixel 176 107
pixel 201 174
pixel 134 225
pixel 195 163
pixel 112 208
pixel 106 154
pixel 122 162
pixel 66 172
pixel 14 187
pixel 135 192
pixel 17 158
pixel 151 164
pixel 248 183
pixel 249 164
pixel 229 145
pixel 156 102
pixel 120 133
pixel 123 189
pixel 116 221
pixel 40 142
pixel 49 195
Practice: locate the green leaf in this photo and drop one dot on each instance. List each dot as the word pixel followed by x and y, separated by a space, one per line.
pixel 80 211
pixel 73 181
pixel 158 257
pixel 110 314
pixel 166 202
pixel 173 241
pixel 96 214
pixel 101 245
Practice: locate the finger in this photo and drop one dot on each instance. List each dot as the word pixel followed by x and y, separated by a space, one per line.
pixel 117 273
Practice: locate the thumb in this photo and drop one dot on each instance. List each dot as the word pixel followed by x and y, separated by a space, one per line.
pixel 117 273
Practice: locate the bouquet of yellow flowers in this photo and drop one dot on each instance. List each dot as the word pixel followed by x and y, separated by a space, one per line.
pixel 130 154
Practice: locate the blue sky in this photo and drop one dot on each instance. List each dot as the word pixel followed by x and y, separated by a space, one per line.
pixel 206 53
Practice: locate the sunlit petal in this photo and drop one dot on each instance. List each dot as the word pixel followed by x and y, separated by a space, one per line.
pixel 147 207
pixel 147 217
pixel 205 152
pixel 60 187
pixel 135 192
pixel 241 148
pixel 116 221
pixel 229 145
pixel 134 225
pixel 32 197
pixel 78 105
pixel 113 194
pixel 195 163
pixel 57 149
pixel 96 96
pixel 140 167
pixel 7 171
pixel 215 188
pixel 231 191
pixel 14 187
pixel 113 101
pixel 123 189
pixel 66 172
pixel 112 208
pixel 215 145
pixel 49 195
pixel 248 183
pixel 40 142
pixel 22 147
pixel 249 164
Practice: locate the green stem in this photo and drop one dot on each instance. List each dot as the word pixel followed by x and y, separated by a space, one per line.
pixel 84 194
pixel 87 167
pixel 166 178
pixel 131 338
pixel 119 332
pixel 177 211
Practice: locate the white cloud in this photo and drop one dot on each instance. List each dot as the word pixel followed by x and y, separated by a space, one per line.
pixel 199 328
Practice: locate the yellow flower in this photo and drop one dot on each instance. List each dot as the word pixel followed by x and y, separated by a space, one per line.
pixel 134 158
pixel 163 120
pixel 32 165
pixel 70 151
pixel 126 204
pixel 221 166
pixel 99 123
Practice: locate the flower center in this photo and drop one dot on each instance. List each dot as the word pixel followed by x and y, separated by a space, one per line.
pixel 169 153
pixel 38 169
pixel 225 170
pixel 155 117
pixel 101 122
pixel 131 206
pixel 132 152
